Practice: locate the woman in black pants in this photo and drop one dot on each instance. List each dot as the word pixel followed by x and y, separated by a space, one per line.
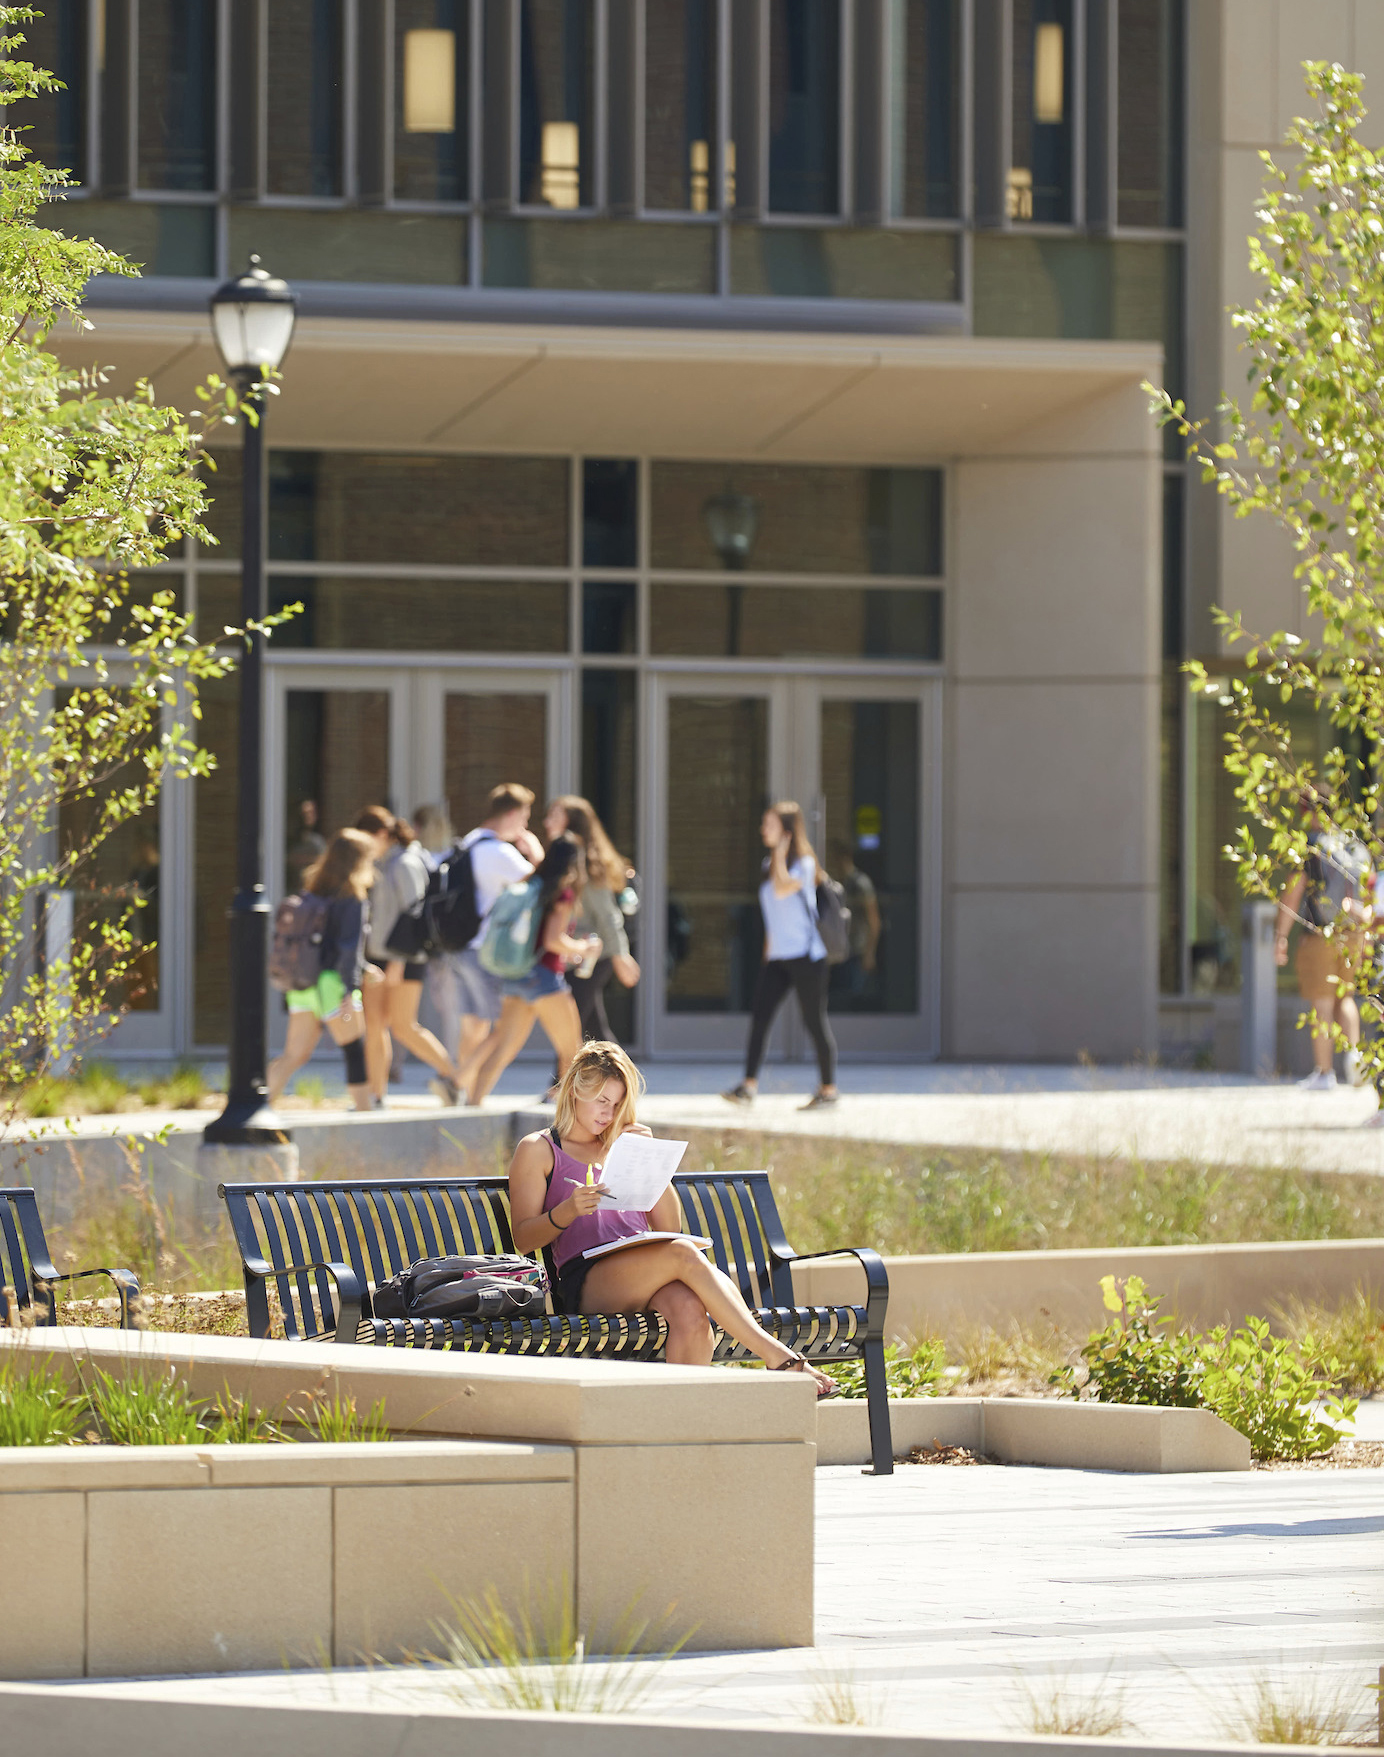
pixel 794 956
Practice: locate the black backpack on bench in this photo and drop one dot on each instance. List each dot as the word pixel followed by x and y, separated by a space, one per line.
pixel 464 1287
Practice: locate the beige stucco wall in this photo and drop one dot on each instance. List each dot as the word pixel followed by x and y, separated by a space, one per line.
pixel 1052 784
pixel 1245 64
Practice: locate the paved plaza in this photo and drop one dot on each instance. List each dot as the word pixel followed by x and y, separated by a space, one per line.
pixel 1144 1113
pixel 949 1596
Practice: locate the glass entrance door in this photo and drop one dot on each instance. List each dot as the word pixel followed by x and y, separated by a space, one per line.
pixel 857 756
pixel 873 807
pixel 719 752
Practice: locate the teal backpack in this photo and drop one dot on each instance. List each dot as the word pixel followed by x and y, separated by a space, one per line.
pixel 509 947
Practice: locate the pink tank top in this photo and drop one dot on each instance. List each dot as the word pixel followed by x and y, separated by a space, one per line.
pixel 601 1228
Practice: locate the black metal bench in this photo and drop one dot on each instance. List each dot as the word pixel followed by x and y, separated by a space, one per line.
pixel 28 1264
pixel 324 1245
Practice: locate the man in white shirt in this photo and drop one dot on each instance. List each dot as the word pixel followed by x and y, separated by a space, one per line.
pixel 467 997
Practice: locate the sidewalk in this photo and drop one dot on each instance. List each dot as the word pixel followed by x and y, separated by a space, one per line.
pixel 1144 1113
pixel 946 1597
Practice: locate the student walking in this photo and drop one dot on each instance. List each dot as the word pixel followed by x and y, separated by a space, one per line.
pixel 598 913
pixel 794 956
pixel 343 875
pixel 500 850
pixel 391 1006
pixel 544 993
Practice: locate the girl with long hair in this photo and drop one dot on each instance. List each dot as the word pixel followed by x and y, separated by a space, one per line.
pixel 343 875
pixel 553 1207
pixel 543 994
pixel 598 912
pixel 794 956
pixel 391 1006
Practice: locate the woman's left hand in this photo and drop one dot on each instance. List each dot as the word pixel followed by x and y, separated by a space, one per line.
pixel 637 1129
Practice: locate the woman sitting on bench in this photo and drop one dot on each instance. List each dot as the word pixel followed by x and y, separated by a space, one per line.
pixel 552 1205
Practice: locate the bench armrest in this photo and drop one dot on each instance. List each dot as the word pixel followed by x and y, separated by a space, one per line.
pixel 125 1282
pixel 352 1294
pixel 876 1283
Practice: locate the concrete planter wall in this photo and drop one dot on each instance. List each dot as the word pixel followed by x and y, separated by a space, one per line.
pixel 1205 1284
pixel 630 1482
pixel 1032 1430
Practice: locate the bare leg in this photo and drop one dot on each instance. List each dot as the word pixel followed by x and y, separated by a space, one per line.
pixel 404 999
pixel 558 1015
pixel 378 1049
pixel 303 1033
pixel 473 1045
pixel 690 1342
pixel 1324 1006
pixel 506 1040
pixel 631 1280
pixel 1348 1018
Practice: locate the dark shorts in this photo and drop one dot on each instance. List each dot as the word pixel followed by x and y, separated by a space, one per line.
pixel 567 1293
pixel 415 972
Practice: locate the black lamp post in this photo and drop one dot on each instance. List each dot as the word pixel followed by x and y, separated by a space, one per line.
pixel 252 319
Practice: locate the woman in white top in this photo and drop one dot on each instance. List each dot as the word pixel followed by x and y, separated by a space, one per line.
pixel 794 956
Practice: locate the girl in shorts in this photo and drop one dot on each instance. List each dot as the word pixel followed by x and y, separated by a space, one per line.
pixel 344 875
pixel 543 994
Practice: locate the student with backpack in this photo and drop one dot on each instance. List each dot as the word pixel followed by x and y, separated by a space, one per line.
pixel 318 959
pixel 391 1006
pixel 467 882
pixel 795 953
pixel 527 938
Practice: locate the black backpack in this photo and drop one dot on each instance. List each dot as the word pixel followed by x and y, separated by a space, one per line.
pixel 834 920
pixel 445 918
pixel 464 1287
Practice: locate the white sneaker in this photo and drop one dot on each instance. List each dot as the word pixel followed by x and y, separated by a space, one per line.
pixel 1377 1120
pixel 1322 1080
pixel 1352 1067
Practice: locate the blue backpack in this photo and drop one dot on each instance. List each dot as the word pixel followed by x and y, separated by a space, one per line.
pixel 510 946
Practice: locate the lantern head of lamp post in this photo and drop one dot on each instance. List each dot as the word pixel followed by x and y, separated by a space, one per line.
pixel 252 318
pixel 732 523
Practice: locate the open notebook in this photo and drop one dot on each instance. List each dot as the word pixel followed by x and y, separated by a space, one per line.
pixel 648 1238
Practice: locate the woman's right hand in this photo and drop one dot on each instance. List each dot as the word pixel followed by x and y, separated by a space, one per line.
pixel 584 1199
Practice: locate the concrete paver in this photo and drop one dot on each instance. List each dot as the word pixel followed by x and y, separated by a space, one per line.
pixel 950 1597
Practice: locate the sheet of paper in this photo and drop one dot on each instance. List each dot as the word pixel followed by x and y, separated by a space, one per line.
pixel 638 1170
pixel 647 1238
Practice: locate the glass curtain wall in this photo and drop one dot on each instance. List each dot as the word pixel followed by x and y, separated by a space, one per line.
pixel 1150 106
pixel 176 131
pixel 1040 177
pixel 805 106
pixel 304 100
pixel 679 105
pixel 924 43
pixel 57 123
pixel 556 103
pixel 431 87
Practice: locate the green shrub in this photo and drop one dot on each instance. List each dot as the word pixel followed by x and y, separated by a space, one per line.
pixel 1352 1335
pixel 1259 1384
pixel 915 1374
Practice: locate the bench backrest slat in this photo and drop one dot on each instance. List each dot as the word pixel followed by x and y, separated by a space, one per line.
pixel 381 1225
pixel 13 1259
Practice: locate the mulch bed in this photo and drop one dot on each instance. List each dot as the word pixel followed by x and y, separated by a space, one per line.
pixel 936 1454
pixel 1344 1455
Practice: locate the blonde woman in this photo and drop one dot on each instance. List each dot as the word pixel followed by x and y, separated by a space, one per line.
pixel 344 875
pixel 553 1206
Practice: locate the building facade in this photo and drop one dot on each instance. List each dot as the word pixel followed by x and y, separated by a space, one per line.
pixel 698 402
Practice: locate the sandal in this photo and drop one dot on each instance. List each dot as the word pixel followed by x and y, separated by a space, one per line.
pixel 826 1385
pixel 741 1094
